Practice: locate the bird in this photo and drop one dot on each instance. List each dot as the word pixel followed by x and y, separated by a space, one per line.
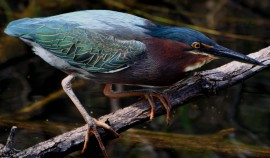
pixel 110 47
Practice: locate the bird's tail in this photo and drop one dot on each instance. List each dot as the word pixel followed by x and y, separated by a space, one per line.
pixel 22 27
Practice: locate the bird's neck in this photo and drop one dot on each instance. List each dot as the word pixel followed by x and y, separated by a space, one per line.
pixel 172 55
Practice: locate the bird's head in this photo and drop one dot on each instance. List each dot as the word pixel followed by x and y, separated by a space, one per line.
pixel 197 43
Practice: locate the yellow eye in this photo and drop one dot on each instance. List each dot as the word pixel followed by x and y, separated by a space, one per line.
pixel 196 45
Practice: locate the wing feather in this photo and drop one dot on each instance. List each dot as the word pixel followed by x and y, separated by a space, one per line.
pixel 89 49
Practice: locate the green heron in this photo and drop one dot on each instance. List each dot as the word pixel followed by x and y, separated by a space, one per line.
pixel 118 48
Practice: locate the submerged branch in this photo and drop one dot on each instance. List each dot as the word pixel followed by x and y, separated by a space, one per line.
pixel 202 83
pixel 216 142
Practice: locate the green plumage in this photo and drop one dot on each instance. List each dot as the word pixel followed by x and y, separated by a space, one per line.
pixel 85 48
pixel 88 49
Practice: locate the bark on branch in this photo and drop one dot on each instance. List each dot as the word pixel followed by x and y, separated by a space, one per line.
pixel 202 83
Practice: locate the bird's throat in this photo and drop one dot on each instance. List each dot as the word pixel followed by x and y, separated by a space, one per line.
pixel 200 61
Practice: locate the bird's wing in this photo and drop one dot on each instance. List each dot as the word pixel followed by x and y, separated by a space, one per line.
pixel 89 47
pixel 90 50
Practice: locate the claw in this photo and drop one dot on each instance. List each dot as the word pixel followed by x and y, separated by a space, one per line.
pixel 164 101
pixel 104 125
pixel 149 98
pixel 148 95
pixel 92 129
pixel 86 138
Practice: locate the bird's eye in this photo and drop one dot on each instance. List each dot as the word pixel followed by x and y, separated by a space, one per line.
pixel 196 45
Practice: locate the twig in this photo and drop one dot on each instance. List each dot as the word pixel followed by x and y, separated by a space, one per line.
pixel 8 149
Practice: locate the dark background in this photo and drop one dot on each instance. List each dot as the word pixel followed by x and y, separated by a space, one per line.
pixel 27 81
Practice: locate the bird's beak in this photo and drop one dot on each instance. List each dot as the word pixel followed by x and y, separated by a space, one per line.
pixel 221 51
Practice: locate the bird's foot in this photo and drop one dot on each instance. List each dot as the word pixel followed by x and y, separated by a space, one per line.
pixel 164 101
pixel 146 93
pixel 92 129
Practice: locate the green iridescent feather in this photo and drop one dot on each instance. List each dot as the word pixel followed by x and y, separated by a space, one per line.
pixel 88 49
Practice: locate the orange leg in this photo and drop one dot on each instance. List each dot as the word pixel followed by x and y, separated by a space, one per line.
pixel 148 94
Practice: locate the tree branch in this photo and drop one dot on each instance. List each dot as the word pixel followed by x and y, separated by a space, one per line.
pixel 202 83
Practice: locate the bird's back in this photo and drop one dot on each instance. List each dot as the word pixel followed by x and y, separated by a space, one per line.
pixel 92 40
pixel 111 22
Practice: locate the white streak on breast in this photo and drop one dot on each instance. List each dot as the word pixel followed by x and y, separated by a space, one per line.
pixel 199 64
pixel 194 66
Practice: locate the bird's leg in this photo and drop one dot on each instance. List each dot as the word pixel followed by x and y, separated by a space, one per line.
pixel 92 123
pixel 148 94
